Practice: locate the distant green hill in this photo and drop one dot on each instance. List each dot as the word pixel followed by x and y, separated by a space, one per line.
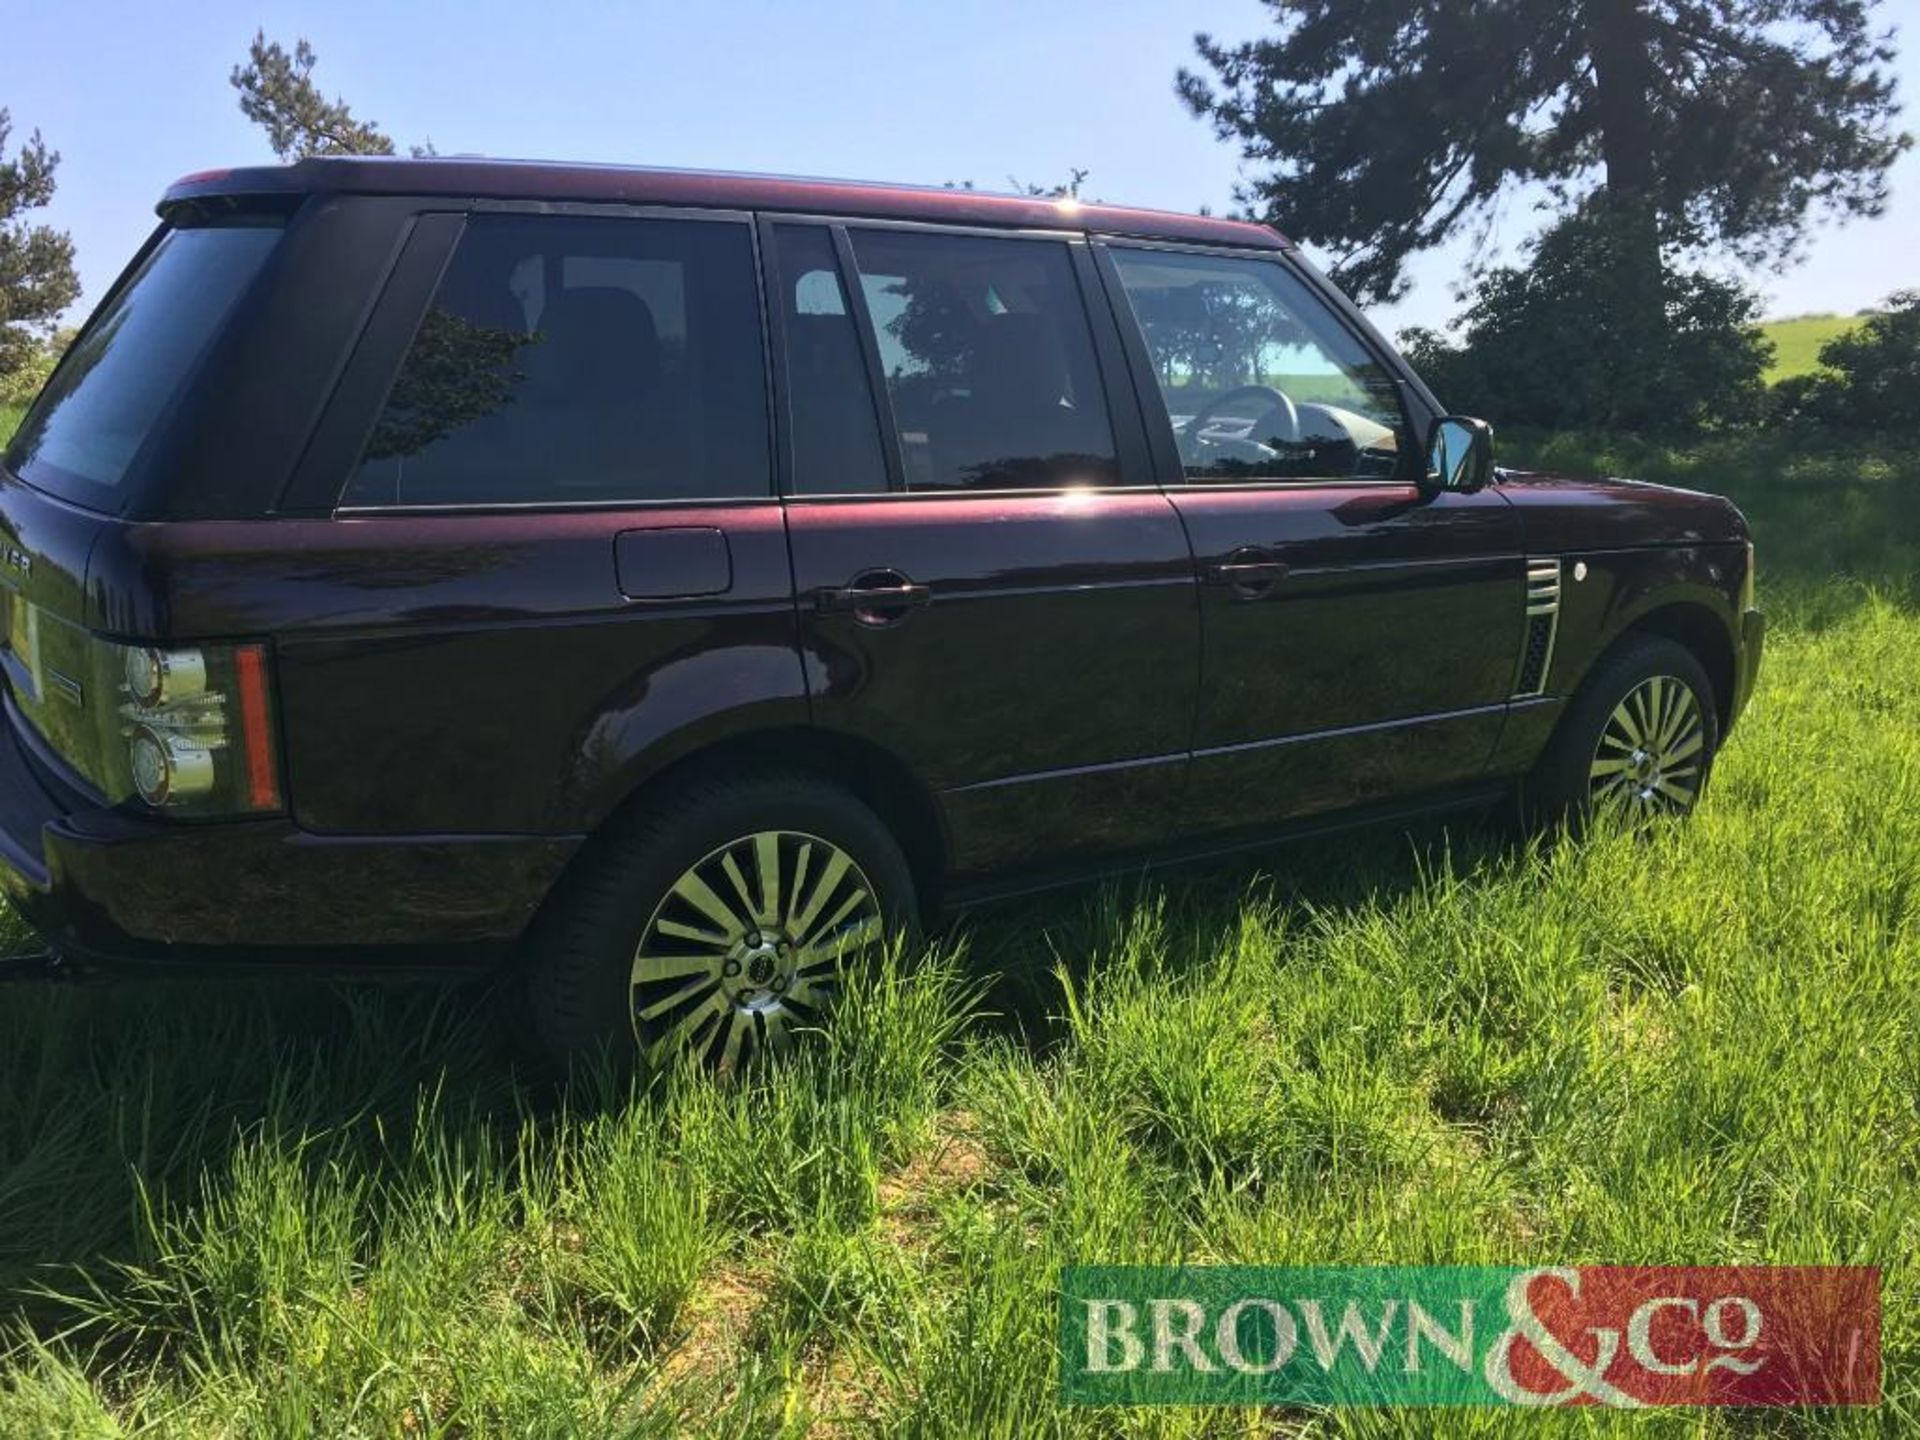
pixel 1797 341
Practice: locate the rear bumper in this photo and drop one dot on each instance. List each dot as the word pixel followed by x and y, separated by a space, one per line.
pixel 103 885
pixel 1753 643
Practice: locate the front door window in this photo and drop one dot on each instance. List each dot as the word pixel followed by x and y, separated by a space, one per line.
pixel 1261 382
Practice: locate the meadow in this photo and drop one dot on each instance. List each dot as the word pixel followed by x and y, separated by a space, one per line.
pixel 237 1209
pixel 1797 340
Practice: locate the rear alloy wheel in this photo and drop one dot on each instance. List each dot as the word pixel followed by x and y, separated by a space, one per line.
pixel 714 921
pixel 748 945
pixel 1652 756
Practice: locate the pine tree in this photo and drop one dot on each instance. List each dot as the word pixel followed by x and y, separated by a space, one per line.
pixel 37 278
pixel 1380 127
pixel 278 94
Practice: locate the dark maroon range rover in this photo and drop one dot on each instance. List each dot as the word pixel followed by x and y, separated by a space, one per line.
pixel 677 582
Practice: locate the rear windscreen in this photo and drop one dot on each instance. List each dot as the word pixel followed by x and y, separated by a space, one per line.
pixel 114 388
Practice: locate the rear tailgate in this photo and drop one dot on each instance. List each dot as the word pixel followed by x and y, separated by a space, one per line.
pixel 44 547
pixel 90 449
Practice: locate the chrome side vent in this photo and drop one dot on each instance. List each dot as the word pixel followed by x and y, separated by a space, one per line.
pixel 1543 619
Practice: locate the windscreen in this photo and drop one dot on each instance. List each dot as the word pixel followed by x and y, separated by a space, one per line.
pixel 115 387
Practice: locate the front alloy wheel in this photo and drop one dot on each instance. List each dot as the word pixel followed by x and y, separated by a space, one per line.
pixel 748 945
pixel 1637 740
pixel 1651 756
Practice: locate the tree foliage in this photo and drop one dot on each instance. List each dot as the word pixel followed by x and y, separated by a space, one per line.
pixel 278 94
pixel 1870 376
pixel 456 372
pixel 1553 345
pixel 37 278
pixel 1382 126
pixel 1067 189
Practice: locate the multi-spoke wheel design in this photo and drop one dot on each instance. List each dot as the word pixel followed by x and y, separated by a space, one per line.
pixel 1652 753
pixel 748 945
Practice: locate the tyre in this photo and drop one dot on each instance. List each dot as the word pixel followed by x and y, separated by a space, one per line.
pixel 1638 739
pixel 715 922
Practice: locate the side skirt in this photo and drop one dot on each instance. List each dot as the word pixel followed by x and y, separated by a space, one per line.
pixel 989 889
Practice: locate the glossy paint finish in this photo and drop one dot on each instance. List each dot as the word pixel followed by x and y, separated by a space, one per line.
pixel 672 562
pixel 1646 549
pixel 1045 690
pixel 1584 512
pixel 101 883
pixel 446 673
pixel 1375 660
pixel 1058 677
pixel 44 545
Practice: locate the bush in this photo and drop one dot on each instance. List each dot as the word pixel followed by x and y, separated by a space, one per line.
pixel 1557 344
pixel 1870 378
pixel 25 363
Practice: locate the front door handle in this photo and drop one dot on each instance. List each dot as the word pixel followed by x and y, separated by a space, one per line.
pixel 1250 572
pixel 875 598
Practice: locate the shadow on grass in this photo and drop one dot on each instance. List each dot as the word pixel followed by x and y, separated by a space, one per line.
pixel 127 1095
pixel 1023 946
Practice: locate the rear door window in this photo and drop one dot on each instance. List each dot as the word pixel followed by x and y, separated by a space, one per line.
pixel 989 361
pixel 138 355
pixel 570 359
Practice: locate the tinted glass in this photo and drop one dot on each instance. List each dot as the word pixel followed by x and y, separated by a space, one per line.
pixel 989 361
pixel 579 358
pixel 835 431
pixel 1261 380
pixel 135 357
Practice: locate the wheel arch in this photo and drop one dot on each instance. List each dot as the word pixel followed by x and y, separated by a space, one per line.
pixel 874 775
pixel 1690 621
pixel 1703 632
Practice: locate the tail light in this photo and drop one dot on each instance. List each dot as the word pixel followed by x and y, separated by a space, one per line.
pixel 195 728
pixel 185 730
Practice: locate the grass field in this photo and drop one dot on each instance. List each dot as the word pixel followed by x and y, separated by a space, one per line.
pixel 308 1209
pixel 1797 341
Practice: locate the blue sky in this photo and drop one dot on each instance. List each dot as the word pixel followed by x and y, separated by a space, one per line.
pixel 134 94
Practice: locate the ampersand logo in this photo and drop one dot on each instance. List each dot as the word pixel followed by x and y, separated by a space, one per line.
pixel 1581 1378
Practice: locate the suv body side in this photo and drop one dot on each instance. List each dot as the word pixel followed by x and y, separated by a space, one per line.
pixel 466 693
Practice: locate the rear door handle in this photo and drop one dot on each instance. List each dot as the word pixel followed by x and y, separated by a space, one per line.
pixel 1250 572
pixel 875 598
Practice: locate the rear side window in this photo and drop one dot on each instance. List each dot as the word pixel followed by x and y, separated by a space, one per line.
pixel 137 356
pixel 580 358
pixel 989 361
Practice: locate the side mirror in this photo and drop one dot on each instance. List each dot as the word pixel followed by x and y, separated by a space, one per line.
pixel 1459 454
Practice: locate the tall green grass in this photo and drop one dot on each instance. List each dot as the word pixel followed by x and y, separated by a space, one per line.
pixel 307 1209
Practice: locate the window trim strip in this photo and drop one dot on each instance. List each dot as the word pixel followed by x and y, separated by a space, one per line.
pixel 326 467
pixel 857 307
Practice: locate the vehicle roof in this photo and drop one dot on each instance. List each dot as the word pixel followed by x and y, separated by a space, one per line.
pixel 476 178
